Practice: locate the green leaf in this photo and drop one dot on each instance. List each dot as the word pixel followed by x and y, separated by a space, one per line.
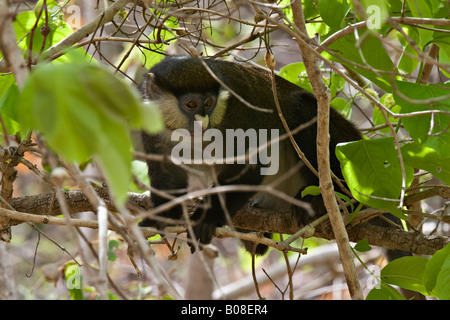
pixel 419 127
pixel 363 54
pixel 58 30
pixel 407 273
pixel 384 292
pixel 435 266
pixel 315 191
pixel 337 84
pixel 333 12
pixel 5 83
pixel 378 119
pixel 116 160
pixel 296 73
pixel 140 170
pixel 444 57
pixel 153 55
pixel 443 281
pixel 123 104
pixel 50 104
pixel 9 100
pixel 362 246
pixel 23 23
pixel 343 106
pixel 311 190
pixel 422 9
pixel 85 111
pixel 310 9
pixel 111 245
pixel 50 5
pixel 8 103
pixel 426 158
pixel 406 63
pixel 372 171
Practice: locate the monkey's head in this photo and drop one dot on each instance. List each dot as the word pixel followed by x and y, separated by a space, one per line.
pixel 185 92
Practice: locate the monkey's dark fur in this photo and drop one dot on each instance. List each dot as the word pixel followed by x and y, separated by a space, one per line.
pixel 185 91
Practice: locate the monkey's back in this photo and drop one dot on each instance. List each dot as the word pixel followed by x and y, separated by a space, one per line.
pixel 179 74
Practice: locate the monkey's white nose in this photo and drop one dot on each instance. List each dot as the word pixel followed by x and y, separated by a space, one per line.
pixel 204 120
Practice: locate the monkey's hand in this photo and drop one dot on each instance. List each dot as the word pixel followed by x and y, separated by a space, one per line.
pixel 302 216
pixel 204 224
pixel 203 233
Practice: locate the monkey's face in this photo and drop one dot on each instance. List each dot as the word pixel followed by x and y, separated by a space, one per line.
pixel 184 109
pixel 198 107
pixel 186 93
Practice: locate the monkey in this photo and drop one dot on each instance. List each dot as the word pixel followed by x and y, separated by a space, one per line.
pixel 213 97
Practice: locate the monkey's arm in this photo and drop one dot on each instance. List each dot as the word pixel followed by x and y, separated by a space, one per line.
pixel 164 177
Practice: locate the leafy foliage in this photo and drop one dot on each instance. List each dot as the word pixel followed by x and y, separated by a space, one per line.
pixel 372 170
pixel 83 111
pixel 429 277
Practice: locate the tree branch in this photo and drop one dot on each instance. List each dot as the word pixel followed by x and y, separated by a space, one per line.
pixel 8 45
pixel 58 48
pixel 322 95
pixel 42 208
pixel 13 58
pixel 85 30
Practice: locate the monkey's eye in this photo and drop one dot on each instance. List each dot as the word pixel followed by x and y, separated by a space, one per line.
pixel 209 102
pixel 190 104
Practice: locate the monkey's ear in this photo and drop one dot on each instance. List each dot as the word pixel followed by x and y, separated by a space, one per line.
pixel 150 88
